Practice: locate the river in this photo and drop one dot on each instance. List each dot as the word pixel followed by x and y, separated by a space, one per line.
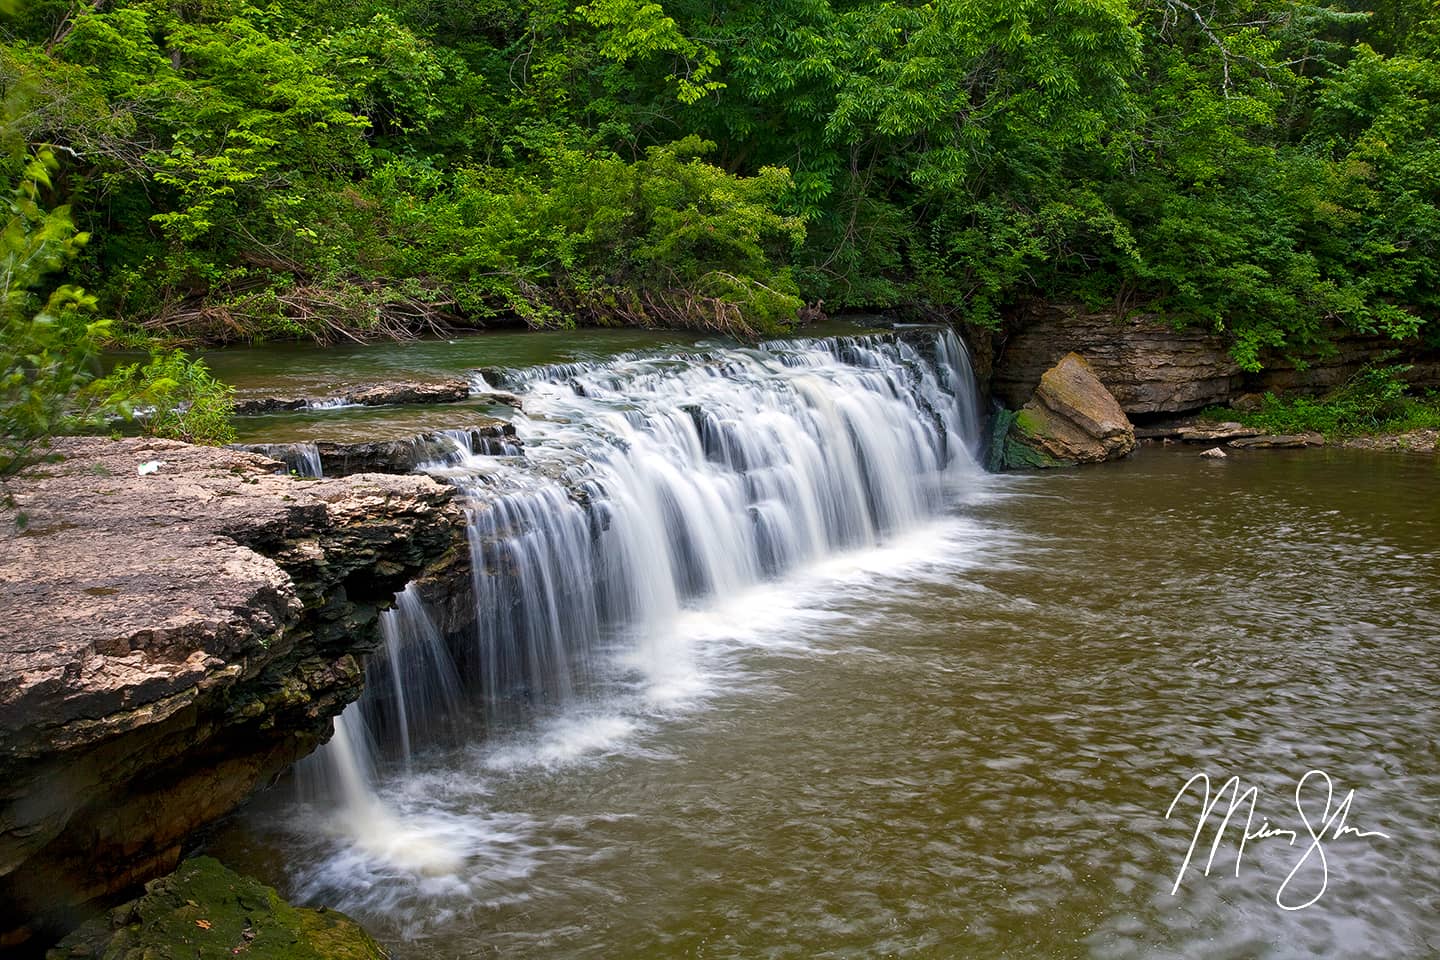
pixel 954 733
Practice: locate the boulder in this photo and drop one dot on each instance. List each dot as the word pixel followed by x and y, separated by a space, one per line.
pixel 1070 419
pixel 170 641
pixel 1214 453
pixel 204 911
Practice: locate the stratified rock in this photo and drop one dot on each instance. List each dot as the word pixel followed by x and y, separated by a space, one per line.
pixel 1071 419
pixel 1148 365
pixel 1215 453
pixel 453 390
pixel 1344 355
pixel 383 394
pixel 1280 441
pixel 490 436
pixel 1153 368
pixel 204 911
pixel 169 641
pixel 1211 432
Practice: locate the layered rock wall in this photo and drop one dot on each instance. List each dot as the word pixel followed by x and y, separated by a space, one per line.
pixel 169 641
pixel 1153 369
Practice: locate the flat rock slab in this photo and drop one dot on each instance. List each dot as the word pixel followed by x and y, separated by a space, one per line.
pixel 453 390
pixel 485 435
pixel 1197 432
pixel 1279 441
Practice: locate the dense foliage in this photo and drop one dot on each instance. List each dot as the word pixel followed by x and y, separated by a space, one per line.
pixel 1270 168
pixel 1375 400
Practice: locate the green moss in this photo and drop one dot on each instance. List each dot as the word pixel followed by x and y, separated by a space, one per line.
pixel 203 911
pixel 1027 423
pixel 1007 449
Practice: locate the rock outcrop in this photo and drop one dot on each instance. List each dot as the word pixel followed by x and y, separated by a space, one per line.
pixel 1148 365
pixel 1279 441
pixel 204 911
pixel 492 436
pixel 1070 419
pixel 1154 369
pixel 453 390
pixel 1321 373
pixel 171 640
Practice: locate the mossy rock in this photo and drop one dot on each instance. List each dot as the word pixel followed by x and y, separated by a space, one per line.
pixel 204 910
pixel 1005 452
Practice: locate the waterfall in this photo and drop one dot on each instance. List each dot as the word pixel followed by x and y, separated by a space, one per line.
pixel 648 486
pixel 300 459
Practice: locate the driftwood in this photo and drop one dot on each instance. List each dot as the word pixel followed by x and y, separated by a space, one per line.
pixel 360 312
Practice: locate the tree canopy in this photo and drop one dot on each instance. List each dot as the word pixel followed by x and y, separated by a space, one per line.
pixel 1268 168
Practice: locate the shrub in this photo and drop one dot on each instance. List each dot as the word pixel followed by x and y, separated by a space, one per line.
pixel 174 397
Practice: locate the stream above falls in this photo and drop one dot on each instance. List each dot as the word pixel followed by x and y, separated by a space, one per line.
pixel 947 720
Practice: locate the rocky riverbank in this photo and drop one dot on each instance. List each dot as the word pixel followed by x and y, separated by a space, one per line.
pixel 1156 371
pixel 178 624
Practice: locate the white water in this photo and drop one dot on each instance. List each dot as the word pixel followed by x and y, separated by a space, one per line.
pixel 662 506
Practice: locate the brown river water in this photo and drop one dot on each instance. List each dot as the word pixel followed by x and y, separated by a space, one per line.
pixel 965 743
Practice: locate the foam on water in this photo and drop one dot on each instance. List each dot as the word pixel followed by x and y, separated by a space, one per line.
pixel 666 515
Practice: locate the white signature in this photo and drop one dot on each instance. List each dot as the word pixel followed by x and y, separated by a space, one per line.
pixel 1330 825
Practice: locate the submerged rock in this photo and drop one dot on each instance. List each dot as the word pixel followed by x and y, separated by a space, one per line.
pixel 169 641
pixel 1214 453
pixel 1070 419
pixel 204 910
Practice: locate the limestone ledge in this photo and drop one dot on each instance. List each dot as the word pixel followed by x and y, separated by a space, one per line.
pixel 169 641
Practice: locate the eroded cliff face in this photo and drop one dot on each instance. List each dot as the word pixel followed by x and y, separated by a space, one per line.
pixel 170 641
pixel 1155 370
pixel 1150 367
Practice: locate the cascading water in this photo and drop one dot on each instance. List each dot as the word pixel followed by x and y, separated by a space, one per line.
pixel 648 488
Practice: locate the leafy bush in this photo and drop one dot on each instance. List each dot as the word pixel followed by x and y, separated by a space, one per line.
pixel 174 397
pixel 1375 400
pixel 48 344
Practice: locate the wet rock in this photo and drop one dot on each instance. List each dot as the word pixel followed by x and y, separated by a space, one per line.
pixel 490 436
pixel 168 642
pixel 1215 453
pixel 1190 432
pixel 1279 441
pixel 204 911
pixel 1070 419
pixel 453 390
pixel 385 394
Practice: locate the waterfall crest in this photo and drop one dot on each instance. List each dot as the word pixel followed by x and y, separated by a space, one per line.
pixel 646 487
